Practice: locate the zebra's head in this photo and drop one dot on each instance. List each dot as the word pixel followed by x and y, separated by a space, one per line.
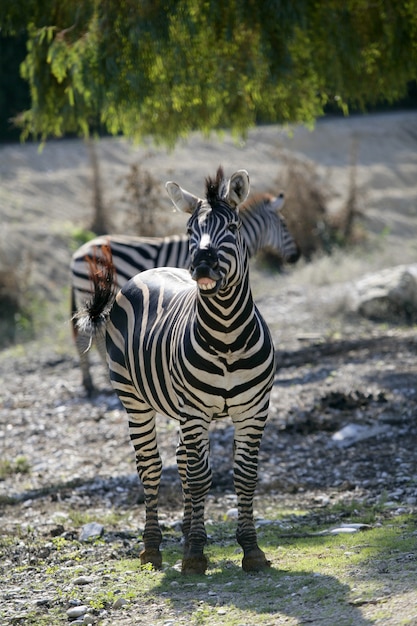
pixel 217 250
pixel 267 227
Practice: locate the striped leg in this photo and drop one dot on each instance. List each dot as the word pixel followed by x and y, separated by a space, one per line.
pixel 100 341
pixel 82 344
pixel 149 465
pixel 182 469
pixel 195 471
pixel 248 435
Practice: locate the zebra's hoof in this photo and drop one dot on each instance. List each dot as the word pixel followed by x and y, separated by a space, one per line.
pixel 255 561
pixel 194 565
pixel 151 555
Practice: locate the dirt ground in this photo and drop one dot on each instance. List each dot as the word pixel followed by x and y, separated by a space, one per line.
pixel 337 374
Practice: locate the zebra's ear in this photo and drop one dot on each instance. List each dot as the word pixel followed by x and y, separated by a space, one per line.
pixel 277 203
pixel 238 187
pixel 181 199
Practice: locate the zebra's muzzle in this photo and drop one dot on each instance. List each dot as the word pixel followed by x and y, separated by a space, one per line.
pixel 205 270
pixel 208 278
pixel 293 258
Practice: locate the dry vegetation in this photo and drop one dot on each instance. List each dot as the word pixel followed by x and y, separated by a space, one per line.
pixel 314 227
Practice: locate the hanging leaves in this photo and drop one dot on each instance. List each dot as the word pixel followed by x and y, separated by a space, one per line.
pixel 166 68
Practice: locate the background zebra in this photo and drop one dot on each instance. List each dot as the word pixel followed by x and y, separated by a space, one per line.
pixel 194 353
pixel 263 228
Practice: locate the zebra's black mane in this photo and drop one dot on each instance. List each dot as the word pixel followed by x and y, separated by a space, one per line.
pixel 215 188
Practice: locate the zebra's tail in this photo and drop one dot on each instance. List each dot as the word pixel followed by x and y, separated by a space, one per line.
pixel 92 318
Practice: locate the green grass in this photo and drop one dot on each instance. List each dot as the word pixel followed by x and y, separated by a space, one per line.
pixel 354 579
pixel 19 465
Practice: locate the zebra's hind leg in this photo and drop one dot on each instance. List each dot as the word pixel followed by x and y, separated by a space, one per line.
pixel 149 466
pixel 195 473
pixel 83 344
pixel 100 341
pixel 246 449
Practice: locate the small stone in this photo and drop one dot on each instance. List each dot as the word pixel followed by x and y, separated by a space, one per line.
pixel 83 580
pixel 77 611
pixel 351 434
pixel 117 604
pixel 401 511
pixel 57 530
pixel 43 602
pixel 91 531
pixel 232 514
pixel 342 530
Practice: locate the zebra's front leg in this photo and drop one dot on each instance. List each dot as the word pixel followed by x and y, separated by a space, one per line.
pixel 246 451
pixel 194 468
pixel 149 466
pixel 182 470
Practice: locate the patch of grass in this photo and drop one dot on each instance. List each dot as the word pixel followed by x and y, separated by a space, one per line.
pixel 20 465
pixel 109 518
pixel 325 579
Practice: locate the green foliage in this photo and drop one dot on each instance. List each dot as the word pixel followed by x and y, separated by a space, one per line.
pixel 167 68
pixel 79 236
pixel 20 465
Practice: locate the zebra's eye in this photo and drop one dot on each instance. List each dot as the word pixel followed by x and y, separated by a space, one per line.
pixel 233 227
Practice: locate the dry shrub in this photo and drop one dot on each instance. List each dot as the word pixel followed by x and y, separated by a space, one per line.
pixel 100 224
pixel 312 225
pixel 142 194
pixel 343 226
pixel 305 205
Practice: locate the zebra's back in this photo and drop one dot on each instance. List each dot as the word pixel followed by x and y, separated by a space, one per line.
pixel 130 255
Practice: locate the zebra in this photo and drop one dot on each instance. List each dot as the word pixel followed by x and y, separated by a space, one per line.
pixel 263 228
pixel 192 345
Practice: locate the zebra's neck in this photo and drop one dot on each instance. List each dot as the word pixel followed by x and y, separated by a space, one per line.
pixel 228 320
pixel 254 228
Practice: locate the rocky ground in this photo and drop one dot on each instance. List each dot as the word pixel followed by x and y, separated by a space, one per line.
pixel 342 429
pixel 342 426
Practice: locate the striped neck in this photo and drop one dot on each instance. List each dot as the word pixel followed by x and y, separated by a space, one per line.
pixel 227 320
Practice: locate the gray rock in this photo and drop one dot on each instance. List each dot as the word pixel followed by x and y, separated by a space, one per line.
pixel 353 433
pixel 117 604
pixel 77 611
pixel 91 531
pixel 83 580
pixel 389 295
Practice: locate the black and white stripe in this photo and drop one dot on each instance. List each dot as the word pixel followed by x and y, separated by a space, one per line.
pixel 192 345
pixel 263 228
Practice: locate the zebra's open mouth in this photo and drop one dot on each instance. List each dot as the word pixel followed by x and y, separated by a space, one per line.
pixel 206 284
